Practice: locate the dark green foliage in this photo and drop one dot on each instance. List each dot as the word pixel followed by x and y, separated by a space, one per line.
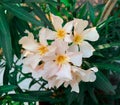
pixel 16 16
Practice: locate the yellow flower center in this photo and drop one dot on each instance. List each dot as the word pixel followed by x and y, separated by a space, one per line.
pixel 61 34
pixel 78 39
pixel 61 59
pixel 43 49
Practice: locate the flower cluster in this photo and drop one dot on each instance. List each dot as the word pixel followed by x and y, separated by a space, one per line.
pixel 60 61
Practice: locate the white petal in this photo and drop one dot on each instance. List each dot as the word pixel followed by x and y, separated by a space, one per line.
pixel 90 34
pixel 51 82
pixel 50 69
pixel 87 75
pixel 57 22
pixel 79 25
pixel 66 84
pixel 32 60
pixel 86 49
pixel 75 87
pixel 61 46
pixel 29 43
pixel 68 27
pixel 59 83
pixel 64 72
pixel 68 38
pixel 46 34
pixel 73 48
pixel 76 58
pixel 95 69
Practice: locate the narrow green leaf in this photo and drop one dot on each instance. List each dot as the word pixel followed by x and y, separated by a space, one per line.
pixel 39 93
pixel 66 3
pixel 104 46
pixel 7 88
pixel 37 10
pixel 106 66
pixel 5 39
pixel 5 75
pixel 23 98
pixel 103 84
pixel 28 1
pixel 15 39
pixel 82 11
pixel 91 13
pixel 92 94
pixel 21 13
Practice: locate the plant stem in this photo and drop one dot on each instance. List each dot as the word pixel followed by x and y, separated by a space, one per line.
pixel 107 10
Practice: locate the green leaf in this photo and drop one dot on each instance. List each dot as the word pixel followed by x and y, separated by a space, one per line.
pixel 5 39
pixel 82 11
pixel 104 46
pixel 37 10
pixel 21 13
pixel 5 75
pixel 23 98
pixel 103 84
pixel 39 93
pixel 71 98
pixel 91 13
pixel 7 88
pixel 28 1
pixel 66 3
pixel 92 94
pixel 15 39
pixel 106 66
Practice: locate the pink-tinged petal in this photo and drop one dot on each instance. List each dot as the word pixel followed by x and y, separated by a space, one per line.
pixel 68 38
pixel 90 34
pixel 86 49
pixel 56 21
pixel 61 46
pixel 87 75
pixel 50 69
pixel 59 83
pixel 46 34
pixel 75 58
pixel 64 72
pixel 79 25
pixel 32 60
pixel 26 53
pixel 66 84
pixel 50 55
pixel 51 82
pixel 29 43
pixel 68 27
pixel 75 87
pixel 73 48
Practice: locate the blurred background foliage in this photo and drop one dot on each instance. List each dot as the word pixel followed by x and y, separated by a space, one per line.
pixel 18 15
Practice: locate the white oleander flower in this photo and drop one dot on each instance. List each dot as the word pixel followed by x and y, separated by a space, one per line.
pixel 59 65
pixel 36 51
pixel 78 75
pixel 60 32
pixel 80 37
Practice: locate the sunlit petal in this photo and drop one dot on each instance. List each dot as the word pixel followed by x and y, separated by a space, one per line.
pixel 64 72
pixel 75 58
pixel 86 49
pixel 79 25
pixel 56 21
pixel 29 43
pixel 68 27
pixel 90 34
pixel 46 34
pixel 32 60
